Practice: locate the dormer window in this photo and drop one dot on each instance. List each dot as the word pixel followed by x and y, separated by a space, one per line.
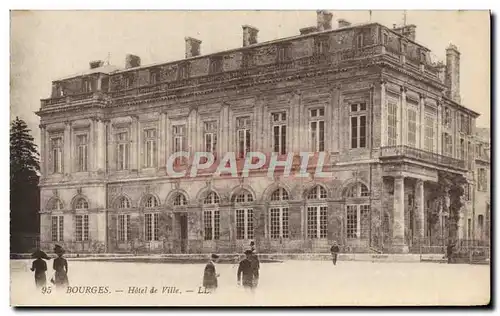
pixel 215 64
pixel 154 76
pixel 87 85
pixel 321 46
pixel 403 48
pixel 183 72
pixel 385 39
pixel 283 53
pixel 129 82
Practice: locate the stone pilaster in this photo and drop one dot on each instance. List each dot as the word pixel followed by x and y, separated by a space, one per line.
pixel 134 161
pixel 439 144
pixel 43 150
pixel 419 210
pixel 162 156
pixel 402 119
pixel 422 121
pixel 294 220
pixel 398 225
pixel 101 145
pixel 383 115
pixel 67 149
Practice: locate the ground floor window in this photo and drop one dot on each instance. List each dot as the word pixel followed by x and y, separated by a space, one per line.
pixel 57 228
pixel 82 227
pixel 358 221
pixel 151 228
pixel 317 221
pixel 279 222
pixel 123 227
pixel 244 224
pixel 211 223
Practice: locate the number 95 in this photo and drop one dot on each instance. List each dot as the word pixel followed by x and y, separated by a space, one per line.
pixel 46 290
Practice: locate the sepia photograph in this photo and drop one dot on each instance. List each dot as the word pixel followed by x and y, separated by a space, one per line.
pixel 250 158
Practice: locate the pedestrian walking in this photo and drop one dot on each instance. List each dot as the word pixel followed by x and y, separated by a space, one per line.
pixel 449 252
pixel 334 250
pixel 254 259
pixel 61 267
pixel 39 266
pixel 245 273
pixel 252 245
pixel 210 275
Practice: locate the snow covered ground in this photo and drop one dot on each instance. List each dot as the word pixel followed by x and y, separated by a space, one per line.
pixel 287 283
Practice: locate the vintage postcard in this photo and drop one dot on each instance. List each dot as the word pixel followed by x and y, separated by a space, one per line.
pixel 250 158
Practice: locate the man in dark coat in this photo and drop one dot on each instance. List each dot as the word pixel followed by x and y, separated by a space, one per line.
pixel 254 259
pixel 449 252
pixel 210 275
pixel 334 250
pixel 246 270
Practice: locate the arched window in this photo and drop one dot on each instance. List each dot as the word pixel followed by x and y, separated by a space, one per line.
pixel 317 193
pixel 317 220
pixel 244 215
pixel 356 190
pixel 81 220
pixel 211 217
pixel 211 198
pixel 279 195
pixel 180 200
pixel 54 204
pixel 151 201
pixel 278 214
pixel 123 202
pixel 81 204
pixel 357 211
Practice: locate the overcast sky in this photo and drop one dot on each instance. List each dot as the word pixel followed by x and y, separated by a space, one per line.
pixel 47 45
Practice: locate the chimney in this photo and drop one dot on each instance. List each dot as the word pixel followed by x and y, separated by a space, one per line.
pixel 96 64
pixel 132 61
pixel 308 30
pixel 193 47
pixel 324 20
pixel 249 35
pixel 344 23
pixel 452 77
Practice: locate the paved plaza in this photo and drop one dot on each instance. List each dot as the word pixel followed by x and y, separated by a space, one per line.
pixel 287 283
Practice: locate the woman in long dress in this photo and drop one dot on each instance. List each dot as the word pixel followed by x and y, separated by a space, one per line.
pixel 61 267
pixel 39 266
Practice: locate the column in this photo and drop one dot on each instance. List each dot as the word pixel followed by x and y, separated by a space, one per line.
pixel 402 119
pixel 168 137
pixel 139 149
pixel 398 225
pixel 111 148
pixel 101 144
pixel 383 116
pixel 422 121
pixel 419 210
pixel 43 153
pixel 335 119
pixel 256 126
pixel 134 146
pixel 222 139
pixel 67 149
pixel 162 157
pixel 439 128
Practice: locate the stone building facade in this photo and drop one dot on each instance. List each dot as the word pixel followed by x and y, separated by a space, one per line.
pixel 369 97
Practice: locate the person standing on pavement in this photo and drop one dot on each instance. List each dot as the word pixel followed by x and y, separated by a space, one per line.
pixel 334 250
pixel 210 275
pixel 254 259
pixel 245 274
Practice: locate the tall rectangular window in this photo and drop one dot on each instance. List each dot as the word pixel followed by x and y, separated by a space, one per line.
pixel 358 114
pixel 360 41
pixel 283 53
pixel 243 138
pixel 321 45
pixel 58 228
pixel 82 152
pixel 183 71
pixel 244 224
pixel 216 63
pixel 482 180
pixel 447 144
pixel 358 221
pixel 279 222
pixel 429 133
pixel 470 155
pixel 210 136
pixel 179 142
pixel 56 149
pixel 81 227
pixel 317 129
pixel 150 156
pixel 124 227
pixel 279 132
pixel 151 228
pixel 412 126
pixel 122 150
pixel 392 119
pixel 317 221
pixel 447 117
pixel 462 149
pixel 211 224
